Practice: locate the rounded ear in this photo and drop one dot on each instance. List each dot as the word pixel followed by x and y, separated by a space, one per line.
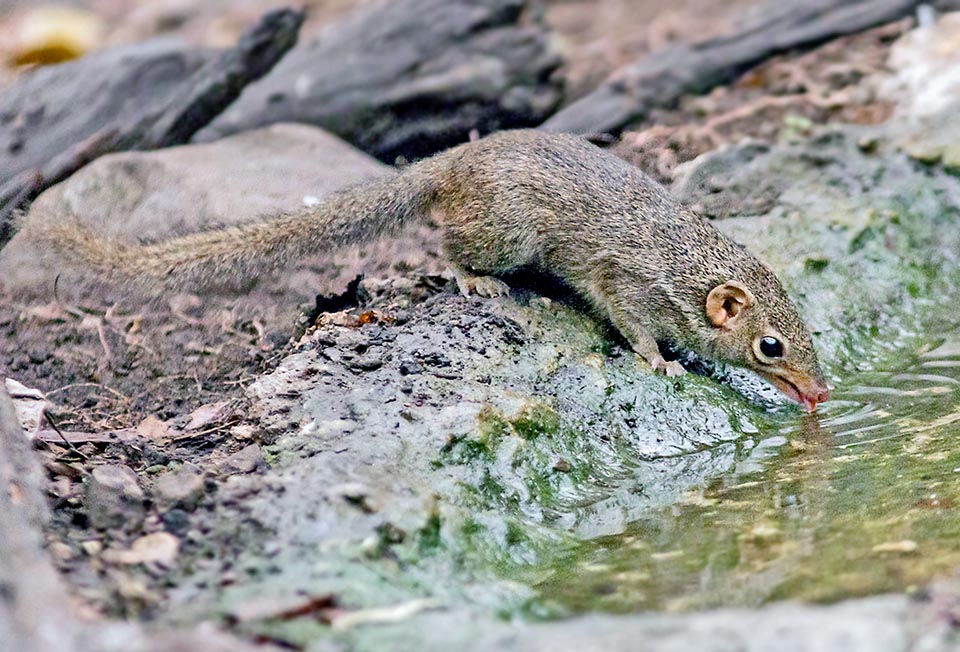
pixel 726 303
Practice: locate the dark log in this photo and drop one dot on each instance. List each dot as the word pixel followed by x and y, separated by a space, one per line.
pixel 661 78
pixel 59 118
pixel 410 77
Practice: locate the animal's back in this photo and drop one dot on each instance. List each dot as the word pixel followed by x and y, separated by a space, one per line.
pixel 565 202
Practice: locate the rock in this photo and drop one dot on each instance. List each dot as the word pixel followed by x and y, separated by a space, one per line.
pixel 149 196
pixel 30 405
pixel 245 460
pixel 924 85
pixel 61 552
pixel 923 75
pixel 183 488
pixel 368 362
pixel 393 83
pixel 92 547
pixel 159 548
pixel 528 405
pixel 114 499
pixel 56 119
pixel 663 76
pixel 56 107
pixel 865 626
pixel 468 466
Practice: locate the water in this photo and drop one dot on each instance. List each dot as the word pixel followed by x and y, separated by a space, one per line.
pixel 861 498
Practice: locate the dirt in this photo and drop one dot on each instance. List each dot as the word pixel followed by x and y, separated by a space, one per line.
pixel 783 99
pixel 108 369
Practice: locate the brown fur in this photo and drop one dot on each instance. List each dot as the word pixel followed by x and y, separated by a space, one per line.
pixel 520 198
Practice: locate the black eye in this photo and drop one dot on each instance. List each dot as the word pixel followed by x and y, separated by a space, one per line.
pixel 771 347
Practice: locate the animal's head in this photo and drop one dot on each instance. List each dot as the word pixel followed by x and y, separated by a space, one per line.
pixel 761 329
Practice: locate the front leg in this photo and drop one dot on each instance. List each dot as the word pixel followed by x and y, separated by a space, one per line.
pixel 645 346
pixel 603 289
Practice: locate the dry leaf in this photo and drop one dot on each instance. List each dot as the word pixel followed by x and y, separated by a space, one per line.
pixel 155 430
pixel 207 414
pixel 52 34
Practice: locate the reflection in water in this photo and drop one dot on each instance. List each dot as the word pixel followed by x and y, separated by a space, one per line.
pixel 858 499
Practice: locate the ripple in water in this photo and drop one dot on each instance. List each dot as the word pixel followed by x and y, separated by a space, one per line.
pixel 861 498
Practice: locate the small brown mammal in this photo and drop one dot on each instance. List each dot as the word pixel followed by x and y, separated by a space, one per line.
pixel 525 198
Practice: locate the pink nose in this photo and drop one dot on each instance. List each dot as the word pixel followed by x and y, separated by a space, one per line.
pixel 814 398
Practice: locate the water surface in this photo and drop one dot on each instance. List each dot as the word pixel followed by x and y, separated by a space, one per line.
pixel 858 499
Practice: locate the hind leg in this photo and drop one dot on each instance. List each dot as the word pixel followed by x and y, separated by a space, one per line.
pixel 485 241
pixel 484 286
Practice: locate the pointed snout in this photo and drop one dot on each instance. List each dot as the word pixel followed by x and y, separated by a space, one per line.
pixel 806 390
pixel 815 396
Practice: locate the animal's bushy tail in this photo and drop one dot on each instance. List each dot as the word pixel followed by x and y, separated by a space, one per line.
pixel 237 255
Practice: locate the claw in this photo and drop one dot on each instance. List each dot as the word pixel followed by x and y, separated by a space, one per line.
pixel 484 286
pixel 671 369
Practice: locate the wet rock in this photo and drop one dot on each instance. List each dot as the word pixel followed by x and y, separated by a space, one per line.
pixel 114 499
pixel 245 460
pixel 149 196
pixel 395 84
pixel 510 409
pixel 183 488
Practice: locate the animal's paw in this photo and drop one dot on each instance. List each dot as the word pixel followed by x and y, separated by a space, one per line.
pixel 671 369
pixel 484 286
